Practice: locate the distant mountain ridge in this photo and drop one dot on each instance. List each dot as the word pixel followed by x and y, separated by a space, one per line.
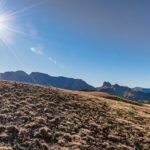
pixel 138 94
pixel 47 80
pixel 145 90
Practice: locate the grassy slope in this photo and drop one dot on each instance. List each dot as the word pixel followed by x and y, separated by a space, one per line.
pixel 37 118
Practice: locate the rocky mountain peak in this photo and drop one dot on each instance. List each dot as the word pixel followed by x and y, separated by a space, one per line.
pixel 107 84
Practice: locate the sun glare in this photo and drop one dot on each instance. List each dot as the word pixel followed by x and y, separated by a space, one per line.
pixel 11 28
pixel 8 25
pixel 3 23
pixel 5 33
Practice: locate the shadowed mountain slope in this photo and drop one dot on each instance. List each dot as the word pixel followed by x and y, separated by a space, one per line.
pixel 136 94
pixel 40 118
pixel 45 79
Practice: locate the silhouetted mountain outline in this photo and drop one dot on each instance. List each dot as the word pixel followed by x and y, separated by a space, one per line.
pixel 47 80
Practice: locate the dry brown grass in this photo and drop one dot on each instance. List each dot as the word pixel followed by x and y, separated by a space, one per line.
pixel 38 118
pixel 6 148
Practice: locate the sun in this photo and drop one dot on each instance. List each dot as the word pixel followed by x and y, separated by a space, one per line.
pixel 5 29
pixel 11 27
pixel 3 23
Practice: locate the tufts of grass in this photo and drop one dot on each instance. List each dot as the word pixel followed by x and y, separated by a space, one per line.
pixel 40 120
pixel 2 128
pixel 6 148
pixel 23 132
pixel 4 137
pixel 12 131
pixel 35 117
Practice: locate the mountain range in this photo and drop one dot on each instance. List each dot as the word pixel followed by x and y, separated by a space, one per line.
pixel 47 80
pixel 136 94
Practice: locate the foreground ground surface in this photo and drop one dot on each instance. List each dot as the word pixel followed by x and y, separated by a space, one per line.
pixel 38 118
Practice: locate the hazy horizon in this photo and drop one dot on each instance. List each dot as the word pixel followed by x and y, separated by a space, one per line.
pixel 96 41
pixel 99 85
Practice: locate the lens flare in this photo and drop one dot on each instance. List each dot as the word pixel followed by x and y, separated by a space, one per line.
pixel 5 34
pixel 3 23
pixel 12 29
pixel 9 29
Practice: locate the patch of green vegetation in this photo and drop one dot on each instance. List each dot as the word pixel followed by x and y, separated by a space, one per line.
pixel 127 101
pixel 61 96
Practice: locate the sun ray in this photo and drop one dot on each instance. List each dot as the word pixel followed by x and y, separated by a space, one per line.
pixel 19 12
pixel 9 27
pixel 7 17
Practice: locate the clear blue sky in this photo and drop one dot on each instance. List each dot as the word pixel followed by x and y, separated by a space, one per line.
pixel 96 40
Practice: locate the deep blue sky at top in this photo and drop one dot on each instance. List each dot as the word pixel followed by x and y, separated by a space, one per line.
pixel 96 40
